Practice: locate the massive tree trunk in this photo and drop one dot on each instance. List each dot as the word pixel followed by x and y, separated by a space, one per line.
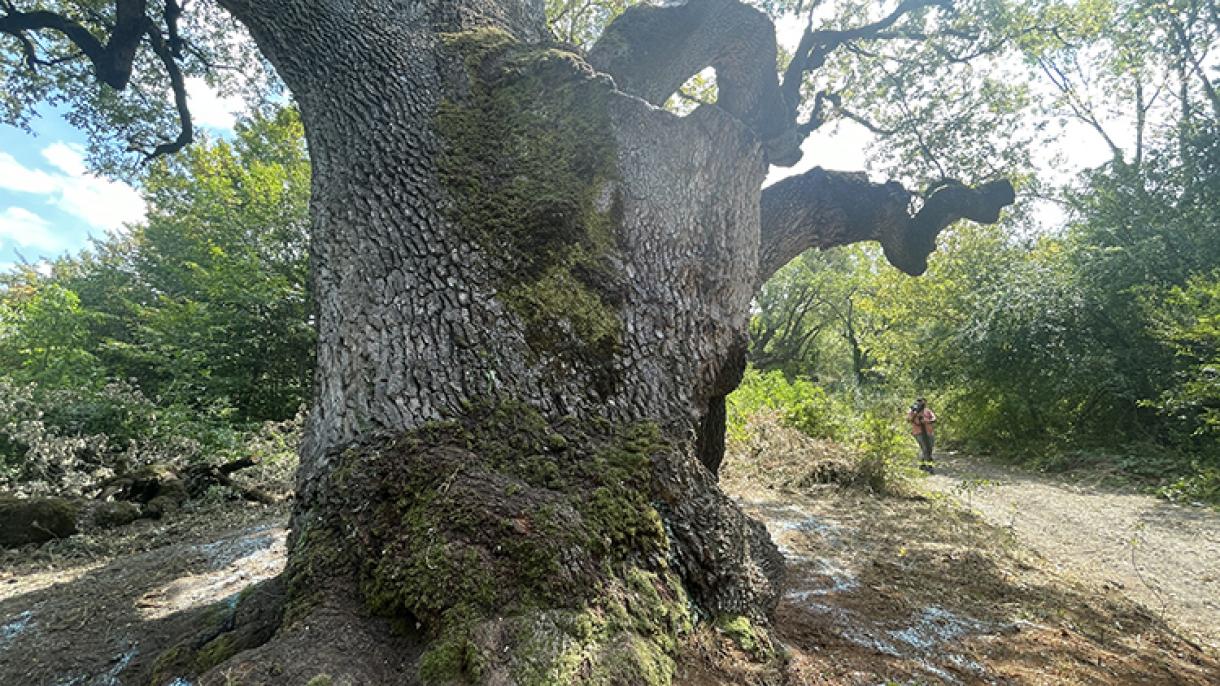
pixel 533 291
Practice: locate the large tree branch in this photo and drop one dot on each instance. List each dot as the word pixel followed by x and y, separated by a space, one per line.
pixel 113 61
pixel 824 209
pixel 165 51
pixel 652 50
pixel 816 45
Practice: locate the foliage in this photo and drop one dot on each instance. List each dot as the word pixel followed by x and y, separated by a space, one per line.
pixel 1096 345
pixel 184 340
pixel 884 462
pixel 1191 323
pixel 68 441
pixel 803 405
pixel 205 305
pixel 580 22
pixel 125 110
pixel 794 434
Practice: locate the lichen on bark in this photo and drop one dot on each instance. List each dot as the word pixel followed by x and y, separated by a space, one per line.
pixel 529 164
pixel 498 529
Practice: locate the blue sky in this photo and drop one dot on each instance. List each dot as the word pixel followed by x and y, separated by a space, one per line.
pixel 49 202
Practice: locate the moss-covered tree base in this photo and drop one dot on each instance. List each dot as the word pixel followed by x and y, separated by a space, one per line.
pixel 496 548
pixel 518 549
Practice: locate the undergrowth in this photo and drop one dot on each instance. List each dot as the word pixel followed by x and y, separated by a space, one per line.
pixel 793 434
pixel 66 442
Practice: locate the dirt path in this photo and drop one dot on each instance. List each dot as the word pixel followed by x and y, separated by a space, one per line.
pixel 880 589
pixel 922 591
pixel 1165 556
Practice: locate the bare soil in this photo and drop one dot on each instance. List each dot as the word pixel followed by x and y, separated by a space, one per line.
pixel 922 591
pixel 98 609
pixel 952 584
pixel 1163 555
pixel 932 589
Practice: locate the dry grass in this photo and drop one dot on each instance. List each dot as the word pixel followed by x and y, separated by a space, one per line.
pixel 781 458
pixel 921 589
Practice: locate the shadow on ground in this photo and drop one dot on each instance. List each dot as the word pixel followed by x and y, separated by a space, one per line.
pixel 920 590
pixel 1161 554
pixel 69 620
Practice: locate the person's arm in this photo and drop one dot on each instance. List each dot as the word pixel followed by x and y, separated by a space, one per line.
pixel 931 416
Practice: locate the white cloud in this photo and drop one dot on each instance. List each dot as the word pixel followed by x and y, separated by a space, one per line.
pixel 100 203
pixel 15 176
pixel 67 158
pixel 26 229
pixel 209 108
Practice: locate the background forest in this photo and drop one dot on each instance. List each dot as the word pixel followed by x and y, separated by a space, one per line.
pixel 1084 329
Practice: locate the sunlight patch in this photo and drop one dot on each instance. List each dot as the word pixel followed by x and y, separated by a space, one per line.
pixel 234 564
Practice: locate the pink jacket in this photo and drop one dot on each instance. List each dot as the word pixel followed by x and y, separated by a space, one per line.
pixel 928 425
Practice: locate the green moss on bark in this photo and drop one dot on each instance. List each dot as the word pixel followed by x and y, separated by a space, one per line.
pixel 529 162
pixel 750 638
pixel 501 529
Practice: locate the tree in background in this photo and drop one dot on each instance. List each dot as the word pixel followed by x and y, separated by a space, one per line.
pixel 205 304
pixel 1076 338
pixel 172 342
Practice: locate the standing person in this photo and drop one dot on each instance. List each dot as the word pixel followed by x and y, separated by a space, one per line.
pixel 923 428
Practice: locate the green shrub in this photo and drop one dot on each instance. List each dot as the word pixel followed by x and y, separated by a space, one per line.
pixel 1203 486
pixel 885 454
pixel 820 438
pixel 804 405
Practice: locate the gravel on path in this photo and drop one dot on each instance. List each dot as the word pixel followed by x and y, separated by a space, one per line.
pixel 1161 554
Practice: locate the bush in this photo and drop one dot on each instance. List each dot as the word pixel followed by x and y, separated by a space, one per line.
pixel 794 434
pixel 774 455
pixel 885 456
pixel 802 404
pixel 1202 487
pixel 68 441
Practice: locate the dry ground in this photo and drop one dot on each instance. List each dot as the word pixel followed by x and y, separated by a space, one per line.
pixel 921 591
pixel 953 584
pixel 881 590
pixel 1163 555
pixel 96 610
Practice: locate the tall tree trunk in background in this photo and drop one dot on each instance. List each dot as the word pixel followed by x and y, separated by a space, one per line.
pixel 533 290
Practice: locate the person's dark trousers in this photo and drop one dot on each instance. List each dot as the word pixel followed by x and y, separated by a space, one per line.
pixel 926 442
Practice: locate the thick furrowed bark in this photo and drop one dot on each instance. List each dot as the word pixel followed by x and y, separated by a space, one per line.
pixel 616 291
pixel 824 209
pixel 533 296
